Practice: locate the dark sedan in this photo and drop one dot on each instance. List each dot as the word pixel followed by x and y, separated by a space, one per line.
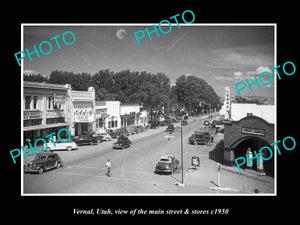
pixel 166 164
pixel 85 139
pixel 122 142
pixel 42 162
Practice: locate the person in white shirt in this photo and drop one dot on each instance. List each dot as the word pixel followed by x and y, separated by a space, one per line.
pixel 108 166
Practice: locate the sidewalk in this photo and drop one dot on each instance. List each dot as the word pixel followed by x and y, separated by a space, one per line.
pixel 247 182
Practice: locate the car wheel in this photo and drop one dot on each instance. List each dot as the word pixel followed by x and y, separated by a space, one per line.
pixel 40 170
pixel 69 148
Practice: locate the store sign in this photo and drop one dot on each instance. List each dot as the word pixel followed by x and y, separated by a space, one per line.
pixel 83 115
pixel 28 115
pixel 59 99
pixel 246 130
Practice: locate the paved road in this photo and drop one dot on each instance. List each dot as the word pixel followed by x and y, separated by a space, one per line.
pixel 132 168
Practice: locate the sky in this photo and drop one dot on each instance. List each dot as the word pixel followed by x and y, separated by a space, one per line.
pixel 221 55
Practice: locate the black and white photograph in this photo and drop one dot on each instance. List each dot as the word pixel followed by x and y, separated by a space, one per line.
pixel 147 111
pixel 161 117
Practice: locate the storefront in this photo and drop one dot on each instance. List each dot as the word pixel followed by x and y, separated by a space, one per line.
pixel 44 109
pixel 248 134
pixel 82 108
pixel 83 118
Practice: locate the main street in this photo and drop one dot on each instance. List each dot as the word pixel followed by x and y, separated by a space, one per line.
pixel 132 168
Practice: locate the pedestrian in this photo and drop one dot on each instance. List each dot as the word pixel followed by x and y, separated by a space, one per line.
pixel 108 166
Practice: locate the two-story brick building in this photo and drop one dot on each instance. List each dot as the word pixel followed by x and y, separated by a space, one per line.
pixel 44 109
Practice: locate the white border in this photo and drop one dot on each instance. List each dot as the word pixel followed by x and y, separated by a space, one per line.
pixel 150 24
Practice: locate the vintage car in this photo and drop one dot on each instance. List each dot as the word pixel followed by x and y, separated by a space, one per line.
pixel 43 162
pixel 199 138
pixel 166 164
pixel 118 132
pixel 59 145
pixel 85 139
pixel 184 122
pixel 170 128
pixel 122 142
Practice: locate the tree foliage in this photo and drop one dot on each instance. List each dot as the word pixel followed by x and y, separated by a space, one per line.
pixel 153 91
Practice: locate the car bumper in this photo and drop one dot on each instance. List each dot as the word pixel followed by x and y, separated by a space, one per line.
pixel 117 146
pixel 31 169
pixel 163 170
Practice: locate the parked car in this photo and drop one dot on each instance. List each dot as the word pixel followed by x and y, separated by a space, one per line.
pixel 122 142
pixel 206 123
pixel 184 122
pixel 166 164
pixel 218 124
pixel 43 162
pixel 154 125
pixel 104 135
pixel 199 138
pixel 141 128
pixel 132 130
pixel 85 139
pixel 118 132
pixel 170 128
pixel 69 145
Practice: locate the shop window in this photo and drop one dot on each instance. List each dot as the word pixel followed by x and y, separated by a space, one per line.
pixel 27 102
pixel 35 99
pixel 55 120
pixel 50 102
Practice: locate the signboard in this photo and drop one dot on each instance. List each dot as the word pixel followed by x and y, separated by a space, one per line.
pixel 28 115
pixel 59 99
pixel 83 116
pixel 195 161
pixel 255 131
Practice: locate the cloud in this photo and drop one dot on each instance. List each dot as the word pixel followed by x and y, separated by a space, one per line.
pixel 259 70
pixel 238 74
pixel 121 34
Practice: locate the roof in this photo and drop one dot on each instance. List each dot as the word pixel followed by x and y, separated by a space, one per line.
pixel 44 85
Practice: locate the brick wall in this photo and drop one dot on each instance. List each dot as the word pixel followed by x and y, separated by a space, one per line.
pixel 233 130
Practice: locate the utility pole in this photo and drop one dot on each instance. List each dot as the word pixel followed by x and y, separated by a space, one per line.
pixel 181 152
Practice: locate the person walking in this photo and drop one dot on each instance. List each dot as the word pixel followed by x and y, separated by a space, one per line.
pixel 108 166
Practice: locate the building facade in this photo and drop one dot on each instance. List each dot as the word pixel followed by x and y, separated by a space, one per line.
pixel 108 115
pixel 44 109
pixel 130 114
pixel 81 111
pixel 251 127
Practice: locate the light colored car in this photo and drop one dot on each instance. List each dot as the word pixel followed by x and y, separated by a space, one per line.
pixel 104 134
pixel 70 145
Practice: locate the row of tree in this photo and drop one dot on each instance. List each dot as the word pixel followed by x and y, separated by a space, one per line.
pixel 153 91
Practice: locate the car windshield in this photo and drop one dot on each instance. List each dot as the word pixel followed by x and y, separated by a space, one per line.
pixel 41 157
pixel 164 160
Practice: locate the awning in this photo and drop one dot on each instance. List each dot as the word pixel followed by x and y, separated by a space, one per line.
pixel 44 126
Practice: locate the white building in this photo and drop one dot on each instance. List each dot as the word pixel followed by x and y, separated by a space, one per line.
pixel 108 115
pixel 81 110
pixel 130 114
pixel 266 112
